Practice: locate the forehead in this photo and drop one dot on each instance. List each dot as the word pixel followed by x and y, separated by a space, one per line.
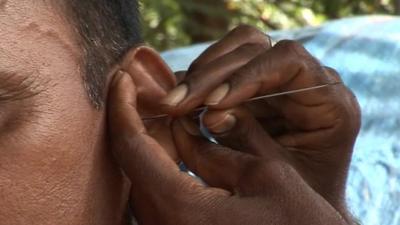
pixel 26 11
pixel 30 29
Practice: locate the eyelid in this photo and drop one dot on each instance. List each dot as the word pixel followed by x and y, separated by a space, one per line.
pixel 14 87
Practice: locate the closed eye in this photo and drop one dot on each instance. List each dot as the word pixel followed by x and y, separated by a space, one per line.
pixel 14 87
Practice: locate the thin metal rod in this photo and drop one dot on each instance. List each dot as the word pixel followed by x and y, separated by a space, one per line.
pixel 256 98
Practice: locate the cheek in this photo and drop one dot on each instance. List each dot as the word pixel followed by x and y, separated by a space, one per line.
pixel 51 146
pixel 54 167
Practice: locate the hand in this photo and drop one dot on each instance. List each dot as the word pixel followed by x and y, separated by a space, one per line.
pixel 159 129
pixel 245 188
pixel 315 131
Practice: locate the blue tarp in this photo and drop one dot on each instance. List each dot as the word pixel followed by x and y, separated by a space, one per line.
pixel 366 52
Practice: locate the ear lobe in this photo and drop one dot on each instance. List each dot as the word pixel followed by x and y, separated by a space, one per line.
pixel 152 76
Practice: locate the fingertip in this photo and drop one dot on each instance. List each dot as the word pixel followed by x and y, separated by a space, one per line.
pixel 123 118
pixel 123 88
pixel 218 95
pixel 231 94
pixel 117 77
pixel 176 96
pixel 220 122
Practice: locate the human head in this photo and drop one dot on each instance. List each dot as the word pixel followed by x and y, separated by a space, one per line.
pixel 56 60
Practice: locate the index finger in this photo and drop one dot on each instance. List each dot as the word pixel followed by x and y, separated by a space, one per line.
pixel 241 35
pixel 285 67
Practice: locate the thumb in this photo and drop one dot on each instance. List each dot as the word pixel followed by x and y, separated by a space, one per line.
pixel 122 112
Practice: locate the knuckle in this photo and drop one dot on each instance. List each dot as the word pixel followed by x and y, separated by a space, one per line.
pixel 305 63
pixel 296 52
pixel 253 34
pixel 243 76
pixel 347 114
pixel 247 29
pixel 297 55
pixel 353 109
pixel 290 46
pixel 332 73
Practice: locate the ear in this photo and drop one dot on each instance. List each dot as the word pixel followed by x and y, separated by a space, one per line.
pixel 153 79
pixel 152 76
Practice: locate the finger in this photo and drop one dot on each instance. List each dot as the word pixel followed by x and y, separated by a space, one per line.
pixel 238 129
pixel 275 126
pixel 217 165
pixel 239 36
pixel 268 73
pixel 269 117
pixel 340 114
pixel 180 76
pixel 122 98
pixel 148 166
pixel 196 86
pixel 309 114
pixel 262 109
pixel 308 118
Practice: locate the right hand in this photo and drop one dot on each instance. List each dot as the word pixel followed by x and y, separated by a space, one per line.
pixel 244 188
pixel 315 130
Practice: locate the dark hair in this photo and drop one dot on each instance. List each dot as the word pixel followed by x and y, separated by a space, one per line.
pixel 106 29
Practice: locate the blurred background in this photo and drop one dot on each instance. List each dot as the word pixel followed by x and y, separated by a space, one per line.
pixel 169 24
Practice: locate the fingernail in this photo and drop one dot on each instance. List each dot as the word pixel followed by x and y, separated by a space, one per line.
pixel 117 77
pixel 225 125
pixel 176 96
pixel 218 95
pixel 190 127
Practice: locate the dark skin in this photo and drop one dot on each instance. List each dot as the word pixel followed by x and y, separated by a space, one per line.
pixel 278 161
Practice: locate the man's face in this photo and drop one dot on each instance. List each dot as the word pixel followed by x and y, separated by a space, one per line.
pixel 54 168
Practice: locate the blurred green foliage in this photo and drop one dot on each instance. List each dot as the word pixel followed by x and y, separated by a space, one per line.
pixel 172 23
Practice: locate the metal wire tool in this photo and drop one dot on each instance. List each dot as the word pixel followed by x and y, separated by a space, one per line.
pixel 256 98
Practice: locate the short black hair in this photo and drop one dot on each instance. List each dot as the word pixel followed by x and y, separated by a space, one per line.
pixel 106 30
